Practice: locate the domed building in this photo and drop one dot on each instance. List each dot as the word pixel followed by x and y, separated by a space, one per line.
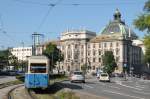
pixel 116 37
pixel 85 48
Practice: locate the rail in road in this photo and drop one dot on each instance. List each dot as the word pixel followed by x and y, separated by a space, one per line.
pixel 20 92
pixel 4 85
pixel 30 93
pixel 9 96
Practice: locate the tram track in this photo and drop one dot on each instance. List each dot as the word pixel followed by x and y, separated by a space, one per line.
pixel 8 84
pixel 30 93
pixel 5 85
pixel 9 94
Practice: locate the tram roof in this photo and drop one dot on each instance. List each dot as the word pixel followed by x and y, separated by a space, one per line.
pixel 38 57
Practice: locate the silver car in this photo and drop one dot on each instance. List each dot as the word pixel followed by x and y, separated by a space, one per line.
pixel 77 76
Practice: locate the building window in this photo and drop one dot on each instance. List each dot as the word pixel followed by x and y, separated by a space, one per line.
pixel 69 56
pixel 82 60
pixel 117 59
pixel 99 45
pixel 68 46
pixel 93 45
pixel 94 52
pixel 93 67
pixel 88 59
pixel 82 53
pixel 117 51
pixel 111 45
pixel 89 46
pixel 68 68
pixel 89 53
pixel 117 44
pixel 82 46
pixel 99 52
pixel 93 59
pixel 105 44
pixel 99 59
pixel 76 46
pixel 62 47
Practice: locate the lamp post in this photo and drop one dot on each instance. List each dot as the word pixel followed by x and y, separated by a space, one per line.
pixel 59 55
pixel 125 70
pixel 22 54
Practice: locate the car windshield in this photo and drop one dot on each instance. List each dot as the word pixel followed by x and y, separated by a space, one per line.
pixel 78 73
pixel 104 75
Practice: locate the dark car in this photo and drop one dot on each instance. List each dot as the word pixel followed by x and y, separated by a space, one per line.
pixel 11 72
pixel 21 73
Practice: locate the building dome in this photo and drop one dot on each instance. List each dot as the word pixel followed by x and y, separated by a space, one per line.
pixel 118 27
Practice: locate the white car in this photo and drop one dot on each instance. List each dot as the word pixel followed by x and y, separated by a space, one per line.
pixel 77 76
pixel 104 77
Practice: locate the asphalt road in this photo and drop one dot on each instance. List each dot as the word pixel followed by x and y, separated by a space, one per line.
pixel 4 79
pixel 117 89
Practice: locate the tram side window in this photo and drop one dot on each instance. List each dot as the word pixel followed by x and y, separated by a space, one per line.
pixel 38 68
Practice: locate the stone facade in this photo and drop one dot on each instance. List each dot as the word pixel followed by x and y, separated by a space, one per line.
pixel 82 47
pixel 74 48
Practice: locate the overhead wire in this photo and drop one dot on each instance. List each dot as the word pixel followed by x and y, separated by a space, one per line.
pixel 31 2
pixel 77 4
pixel 2 30
pixel 46 15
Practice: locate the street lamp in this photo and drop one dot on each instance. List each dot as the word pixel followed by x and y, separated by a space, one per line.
pixel 125 70
pixel 22 54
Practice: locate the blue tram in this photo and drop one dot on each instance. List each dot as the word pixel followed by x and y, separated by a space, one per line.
pixel 37 75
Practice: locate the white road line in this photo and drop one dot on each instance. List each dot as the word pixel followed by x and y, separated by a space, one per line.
pixel 123 94
pixel 130 87
pixel 142 92
pixel 138 86
pixel 88 86
pixel 114 87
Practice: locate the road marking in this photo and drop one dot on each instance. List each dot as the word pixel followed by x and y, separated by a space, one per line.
pixel 142 92
pixel 138 86
pixel 88 86
pixel 114 87
pixel 123 94
pixel 129 86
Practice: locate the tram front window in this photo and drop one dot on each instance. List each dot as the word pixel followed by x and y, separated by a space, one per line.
pixel 38 68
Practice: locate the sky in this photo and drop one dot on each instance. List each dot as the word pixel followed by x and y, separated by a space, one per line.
pixel 19 19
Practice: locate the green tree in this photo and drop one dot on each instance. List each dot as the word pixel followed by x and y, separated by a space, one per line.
pixel 108 62
pixel 8 59
pixel 84 68
pixel 13 61
pixel 142 22
pixel 54 54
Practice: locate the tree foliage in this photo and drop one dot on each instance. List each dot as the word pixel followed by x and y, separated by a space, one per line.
pixel 147 48
pixel 143 24
pixel 84 68
pixel 8 59
pixel 4 54
pixel 53 53
pixel 109 62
